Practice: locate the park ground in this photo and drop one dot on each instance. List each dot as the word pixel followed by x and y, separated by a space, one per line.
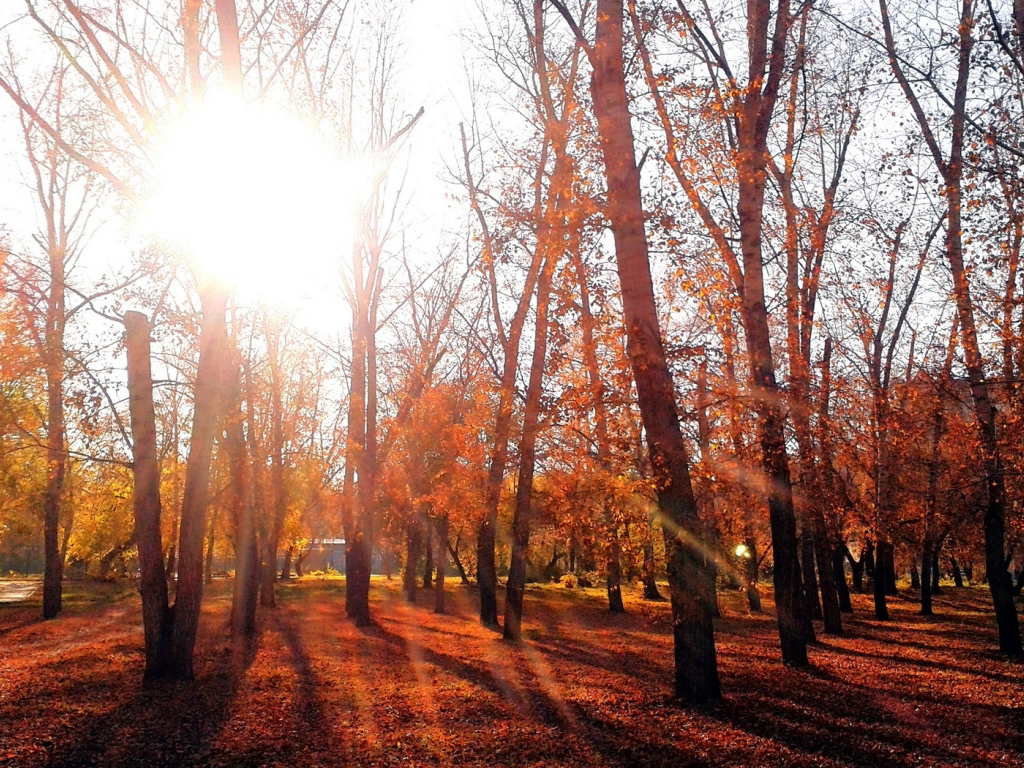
pixel 585 688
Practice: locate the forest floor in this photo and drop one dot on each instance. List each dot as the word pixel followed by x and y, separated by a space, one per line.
pixel 585 688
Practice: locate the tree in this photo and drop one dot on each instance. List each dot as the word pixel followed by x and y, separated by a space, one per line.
pixel 693 631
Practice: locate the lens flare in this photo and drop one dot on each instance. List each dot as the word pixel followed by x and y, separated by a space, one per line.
pixel 254 197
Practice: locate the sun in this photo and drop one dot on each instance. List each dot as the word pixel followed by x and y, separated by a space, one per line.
pixel 254 197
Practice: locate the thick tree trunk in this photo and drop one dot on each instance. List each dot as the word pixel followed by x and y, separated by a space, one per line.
pixel 696 678
pixel 286 567
pixel 207 419
pixel 146 498
pixel 245 587
pixel 298 562
pixel 958 579
pixel 56 456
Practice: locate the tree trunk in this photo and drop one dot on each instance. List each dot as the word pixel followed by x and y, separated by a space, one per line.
pixel 613 567
pixel 56 456
pixel 207 420
pixel 696 678
pixel 442 563
pixel 856 569
pixel 867 559
pixel 210 541
pixel 915 577
pixel 286 567
pixel 454 552
pixel 839 575
pixel 516 584
pixel 650 570
pixel 146 498
pixel 486 565
pixel 926 577
pixel 881 580
pixel 951 170
pixel 810 582
pixel 298 562
pixel 428 550
pixel 958 579
pixel 245 587
pixel 414 545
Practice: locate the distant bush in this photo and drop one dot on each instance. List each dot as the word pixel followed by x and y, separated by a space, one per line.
pixel 326 573
pixel 588 578
pixel 569 581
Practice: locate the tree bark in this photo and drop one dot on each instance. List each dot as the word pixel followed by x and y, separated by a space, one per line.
pixel 810 582
pixel 414 545
pixel 839 575
pixel 454 552
pixel 442 563
pixel 146 498
pixel 207 418
pixel 428 551
pixel 286 567
pixel 245 586
pixel 56 455
pixel 516 584
pixel 696 678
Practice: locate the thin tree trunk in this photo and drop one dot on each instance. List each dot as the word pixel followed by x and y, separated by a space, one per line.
pixel 951 170
pixel 458 564
pixel 486 565
pixel 810 582
pixel 613 567
pixel 442 563
pixel 210 541
pixel 856 569
pixel 414 544
pixel 839 575
pixel 428 551
pixel 516 584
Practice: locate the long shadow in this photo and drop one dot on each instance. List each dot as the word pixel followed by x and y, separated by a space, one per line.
pixel 27 621
pixel 166 725
pixel 926 663
pixel 848 722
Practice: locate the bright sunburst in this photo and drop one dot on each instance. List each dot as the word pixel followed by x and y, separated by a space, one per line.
pixel 254 197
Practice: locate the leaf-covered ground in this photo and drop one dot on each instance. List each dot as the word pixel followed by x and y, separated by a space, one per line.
pixel 585 688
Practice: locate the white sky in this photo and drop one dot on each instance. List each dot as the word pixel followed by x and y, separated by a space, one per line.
pixel 432 76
